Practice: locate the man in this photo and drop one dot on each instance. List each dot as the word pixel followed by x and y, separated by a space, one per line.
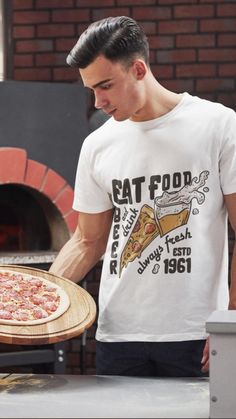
pixel 152 187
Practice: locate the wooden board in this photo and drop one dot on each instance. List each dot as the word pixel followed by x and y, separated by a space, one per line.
pixel 80 315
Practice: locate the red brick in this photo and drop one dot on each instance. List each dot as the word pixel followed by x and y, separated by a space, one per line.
pixel 227 70
pixel 95 3
pixel 12 164
pixel 35 174
pixel 22 4
pixel 81 28
pixel 151 13
pixel 189 41
pixel 226 10
pixel 195 70
pixel 34 45
pixel 173 2
pixel 50 59
pixel 53 184
pixel 65 74
pixel 33 74
pixel 177 26
pixel 226 40
pixel 179 85
pixel 163 71
pixel 149 27
pixel 176 56
pixel 64 200
pixel 113 11
pixel 91 345
pixel 53 4
pixel 65 44
pixel 223 54
pixel 211 85
pixel 228 99
pixel 55 30
pixel 152 56
pixel 193 11
pixel 23 31
pixel 135 2
pixel 70 15
pixel 161 42
pixel 209 96
pixel 71 220
pixel 23 60
pixel 218 25
pixel 30 17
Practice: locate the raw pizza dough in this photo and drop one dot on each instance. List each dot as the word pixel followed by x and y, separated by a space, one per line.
pixel 29 300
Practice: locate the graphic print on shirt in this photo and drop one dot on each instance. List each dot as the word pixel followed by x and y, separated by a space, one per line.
pixel 170 211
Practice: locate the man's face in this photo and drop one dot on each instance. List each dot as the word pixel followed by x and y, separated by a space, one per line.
pixel 117 89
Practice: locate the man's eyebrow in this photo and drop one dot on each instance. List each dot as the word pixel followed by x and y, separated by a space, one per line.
pixel 100 83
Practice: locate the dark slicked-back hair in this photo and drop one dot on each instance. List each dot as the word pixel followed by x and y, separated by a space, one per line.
pixel 116 38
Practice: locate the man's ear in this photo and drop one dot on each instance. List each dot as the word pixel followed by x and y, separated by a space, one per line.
pixel 140 69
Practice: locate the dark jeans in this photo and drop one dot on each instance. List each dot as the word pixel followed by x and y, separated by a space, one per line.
pixel 145 359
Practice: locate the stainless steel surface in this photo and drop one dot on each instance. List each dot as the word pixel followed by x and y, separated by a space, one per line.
pixel 69 396
pixel 222 322
pixel 27 258
pixel 222 328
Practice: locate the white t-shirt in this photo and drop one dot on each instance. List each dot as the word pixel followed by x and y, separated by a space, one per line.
pixel 175 168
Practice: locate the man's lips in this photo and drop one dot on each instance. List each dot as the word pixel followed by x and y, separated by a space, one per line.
pixel 109 112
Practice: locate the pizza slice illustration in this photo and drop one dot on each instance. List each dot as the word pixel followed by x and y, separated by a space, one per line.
pixel 144 232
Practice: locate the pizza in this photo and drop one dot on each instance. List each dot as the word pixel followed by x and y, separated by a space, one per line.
pixel 29 300
pixel 144 231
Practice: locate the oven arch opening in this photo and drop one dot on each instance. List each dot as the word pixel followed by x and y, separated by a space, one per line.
pixel 29 221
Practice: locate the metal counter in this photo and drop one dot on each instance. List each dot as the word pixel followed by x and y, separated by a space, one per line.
pixel 71 396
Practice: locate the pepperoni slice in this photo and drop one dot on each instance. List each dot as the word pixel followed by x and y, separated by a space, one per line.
pixel 37 299
pixel 5 314
pixel 136 247
pixel 39 313
pixel 36 282
pixel 50 297
pixel 11 307
pixel 136 226
pixel 50 306
pixel 149 228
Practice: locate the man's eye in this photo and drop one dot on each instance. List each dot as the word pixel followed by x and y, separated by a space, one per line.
pixel 106 86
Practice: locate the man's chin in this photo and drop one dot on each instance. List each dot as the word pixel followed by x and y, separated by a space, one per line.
pixel 120 118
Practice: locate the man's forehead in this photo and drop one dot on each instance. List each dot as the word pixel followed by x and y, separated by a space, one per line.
pixel 100 71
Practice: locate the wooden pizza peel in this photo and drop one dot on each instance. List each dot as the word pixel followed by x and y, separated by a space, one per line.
pixel 80 315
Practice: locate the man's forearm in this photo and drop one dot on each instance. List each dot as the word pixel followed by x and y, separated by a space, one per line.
pixel 76 259
pixel 86 246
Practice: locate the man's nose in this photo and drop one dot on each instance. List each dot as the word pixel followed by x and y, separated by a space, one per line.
pixel 100 100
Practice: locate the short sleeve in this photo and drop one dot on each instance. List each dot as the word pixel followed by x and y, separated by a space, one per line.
pixel 227 163
pixel 89 196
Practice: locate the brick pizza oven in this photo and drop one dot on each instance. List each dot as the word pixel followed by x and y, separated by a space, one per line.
pixel 42 127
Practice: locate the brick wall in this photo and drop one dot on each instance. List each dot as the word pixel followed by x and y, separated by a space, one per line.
pixel 192 49
pixel 192 41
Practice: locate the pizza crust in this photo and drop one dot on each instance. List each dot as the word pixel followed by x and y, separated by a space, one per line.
pixel 61 309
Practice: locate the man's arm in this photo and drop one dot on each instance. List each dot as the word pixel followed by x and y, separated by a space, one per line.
pixel 230 202
pixel 85 247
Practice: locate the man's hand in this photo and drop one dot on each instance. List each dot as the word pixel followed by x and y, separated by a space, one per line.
pixel 205 357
